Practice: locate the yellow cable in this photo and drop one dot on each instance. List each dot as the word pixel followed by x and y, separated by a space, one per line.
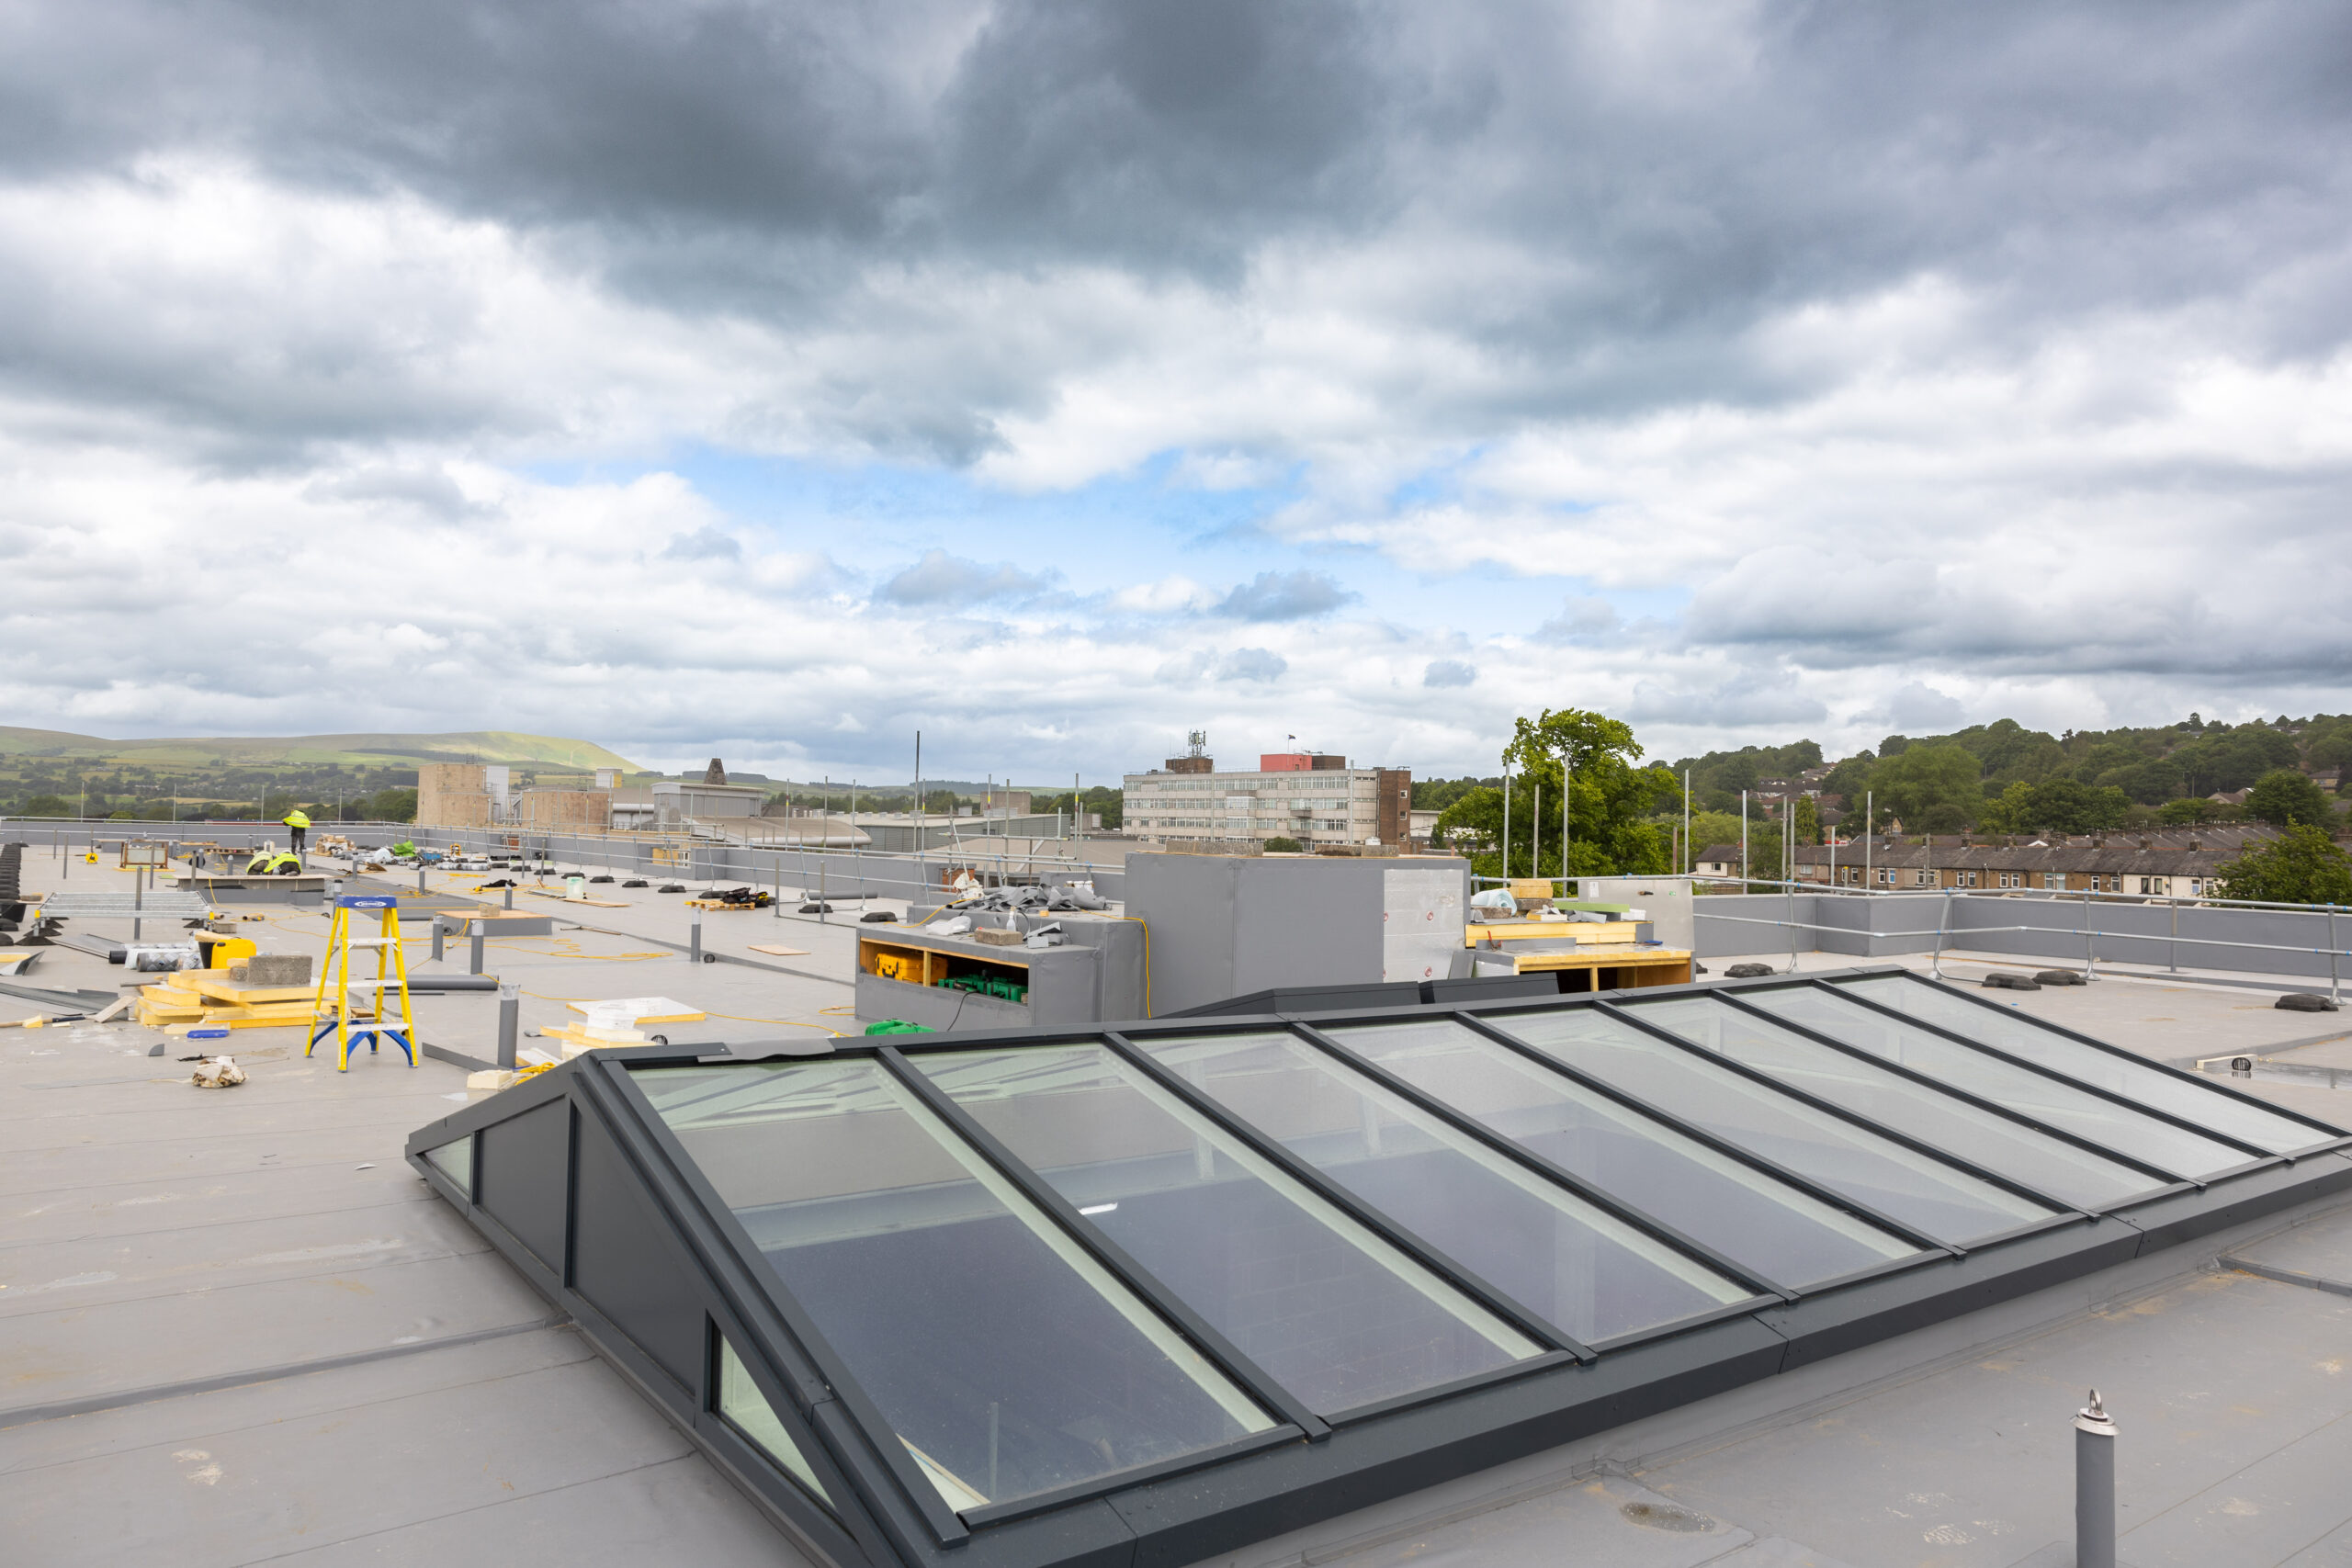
pixel 1147 960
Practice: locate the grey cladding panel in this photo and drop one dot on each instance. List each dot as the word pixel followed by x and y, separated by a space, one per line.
pixel 524 1177
pixel 624 1263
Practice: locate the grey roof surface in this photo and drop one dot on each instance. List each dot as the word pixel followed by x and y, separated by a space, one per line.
pixel 238 1329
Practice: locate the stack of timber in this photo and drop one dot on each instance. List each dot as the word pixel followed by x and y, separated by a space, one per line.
pixel 208 998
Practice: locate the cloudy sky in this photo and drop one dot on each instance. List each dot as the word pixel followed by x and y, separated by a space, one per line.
pixel 774 379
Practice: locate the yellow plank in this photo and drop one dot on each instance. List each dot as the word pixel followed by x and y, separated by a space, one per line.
pixel 181 1030
pixel 1627 958
pixel 221 989
pixel 1584 933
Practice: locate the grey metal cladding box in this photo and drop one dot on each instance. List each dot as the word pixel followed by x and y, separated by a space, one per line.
pixel 1223 925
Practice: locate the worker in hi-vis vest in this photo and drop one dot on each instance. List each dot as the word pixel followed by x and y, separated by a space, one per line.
pixel 297 824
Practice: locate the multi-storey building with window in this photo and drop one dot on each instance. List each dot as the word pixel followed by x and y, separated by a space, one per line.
pixel 1313 796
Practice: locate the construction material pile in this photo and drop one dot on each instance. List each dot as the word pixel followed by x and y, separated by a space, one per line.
pixel 731 898
pixel 621 1021
pixel 262 991
pixel 1063 899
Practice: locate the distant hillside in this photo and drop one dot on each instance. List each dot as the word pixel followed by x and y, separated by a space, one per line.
pixel 313 751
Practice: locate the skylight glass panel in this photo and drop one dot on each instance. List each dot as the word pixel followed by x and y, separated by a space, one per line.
pixel 1781 1234
pixel 1332 1311
pixel 2053 1102
pixel 456 1160
pixel 2023 1037
pixel 1588 1272
pixel 1897 1180
pixel 1007 1360
pixel 749 1412
pixel 2039 1162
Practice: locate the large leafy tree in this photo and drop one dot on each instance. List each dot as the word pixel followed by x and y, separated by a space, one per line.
pixel 2303 865
pixel 1610 794
pixel 1933 789
pixel 2286 797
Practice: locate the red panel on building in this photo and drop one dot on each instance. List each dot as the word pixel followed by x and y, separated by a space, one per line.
pixel 1284 762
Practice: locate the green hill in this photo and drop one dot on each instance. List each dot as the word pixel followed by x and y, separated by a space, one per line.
pixel 315 750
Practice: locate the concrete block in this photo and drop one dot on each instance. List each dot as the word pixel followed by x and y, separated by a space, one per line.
pixel 273 969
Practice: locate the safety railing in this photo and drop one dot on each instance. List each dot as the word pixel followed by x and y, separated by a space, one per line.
pixel 2088 899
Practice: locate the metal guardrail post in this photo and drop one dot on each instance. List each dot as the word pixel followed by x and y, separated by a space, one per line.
pixel 2094 1486
pixel 439 930
pixel 509 1018
pixel 510 890
pixel 2090 939
pixel 1791 889
pixel 694 939
pixel 1943 921
pixel 474 941
pixel 2332 964
pixel 2172 942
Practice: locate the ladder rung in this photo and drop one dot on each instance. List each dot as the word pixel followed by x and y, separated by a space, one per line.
pixel 373 942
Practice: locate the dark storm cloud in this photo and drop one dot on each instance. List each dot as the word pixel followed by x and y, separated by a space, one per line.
pixel 1685 170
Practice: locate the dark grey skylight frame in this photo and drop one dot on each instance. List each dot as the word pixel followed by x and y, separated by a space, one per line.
pixel 576 1179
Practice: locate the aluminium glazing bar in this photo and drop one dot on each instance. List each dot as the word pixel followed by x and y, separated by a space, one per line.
pixel 2203 1081
pixel 1600 1198
pixel 1827 1107
pixel 1991 1107
pixel 1721 1145
pixel 1531 1324
pixel 1897 1015
pixel 1229 1358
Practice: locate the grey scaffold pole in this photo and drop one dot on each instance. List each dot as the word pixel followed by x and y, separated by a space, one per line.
pixel 2094 1486
pixel 439 930
pixel 474 940
pixel 694 939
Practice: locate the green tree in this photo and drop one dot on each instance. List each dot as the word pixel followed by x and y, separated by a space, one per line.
pixel 2303 865
pixel 2107 808
pixel 2188 808
pixel 1710 828
pixel 1808 820
pixel 1933 789
pixel 2011 811
pixel 49 805
pixel 2286 797
pixel 1279 845
pixel 1850 779
pixel 1610 798
pixel 388 805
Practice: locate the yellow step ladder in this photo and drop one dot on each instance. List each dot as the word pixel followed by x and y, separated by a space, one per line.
pixel 390 979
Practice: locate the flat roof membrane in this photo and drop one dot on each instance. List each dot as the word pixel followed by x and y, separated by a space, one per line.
pixel 1039 1299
